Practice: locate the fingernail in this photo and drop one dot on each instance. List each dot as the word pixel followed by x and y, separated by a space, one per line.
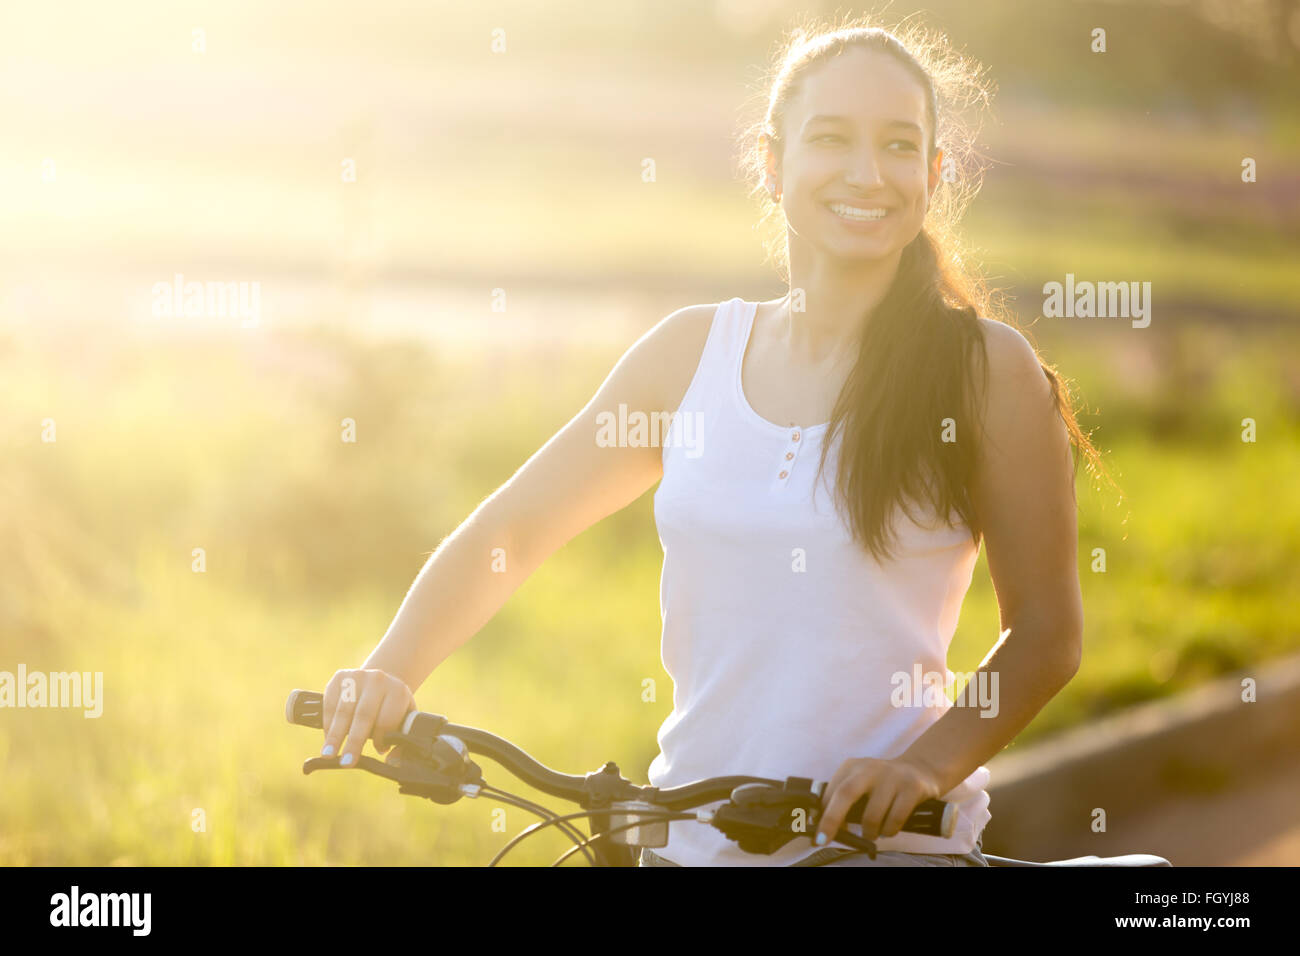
pixel 346 761
pixel 327 750
pixel 821 838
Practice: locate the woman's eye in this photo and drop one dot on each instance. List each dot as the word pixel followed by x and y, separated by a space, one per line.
pixel 906 144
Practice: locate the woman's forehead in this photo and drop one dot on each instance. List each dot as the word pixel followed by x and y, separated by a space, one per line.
pixel 858 85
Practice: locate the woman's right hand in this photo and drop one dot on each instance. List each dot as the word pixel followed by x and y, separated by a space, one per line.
pixel 362 703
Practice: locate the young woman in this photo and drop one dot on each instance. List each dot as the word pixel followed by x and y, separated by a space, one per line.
pixel 808 582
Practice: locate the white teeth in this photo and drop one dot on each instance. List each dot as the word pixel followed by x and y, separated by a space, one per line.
pixel 852 212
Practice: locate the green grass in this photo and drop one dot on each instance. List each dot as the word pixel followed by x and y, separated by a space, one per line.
pixel 501 168
pixel 311 543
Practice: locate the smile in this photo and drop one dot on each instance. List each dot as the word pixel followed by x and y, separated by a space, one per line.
pixel 855 214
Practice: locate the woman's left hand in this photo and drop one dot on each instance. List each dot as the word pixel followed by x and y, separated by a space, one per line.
pixel 896 786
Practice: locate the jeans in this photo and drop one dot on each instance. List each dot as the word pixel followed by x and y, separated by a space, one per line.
pixel 846 856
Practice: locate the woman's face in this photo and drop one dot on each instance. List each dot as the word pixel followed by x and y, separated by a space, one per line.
pixel 855 135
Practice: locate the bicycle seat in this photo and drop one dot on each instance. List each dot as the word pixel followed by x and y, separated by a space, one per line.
pixel 1128 859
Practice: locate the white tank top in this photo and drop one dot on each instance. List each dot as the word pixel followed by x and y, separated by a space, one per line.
pixel 781 634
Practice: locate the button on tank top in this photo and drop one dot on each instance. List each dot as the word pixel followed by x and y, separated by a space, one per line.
pixel 786 639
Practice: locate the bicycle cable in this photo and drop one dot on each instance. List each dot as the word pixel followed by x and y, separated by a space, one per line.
pixel 549 817
pixel 542 811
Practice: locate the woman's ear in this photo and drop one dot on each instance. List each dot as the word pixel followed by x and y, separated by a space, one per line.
pixel 936 171
pixel 769 156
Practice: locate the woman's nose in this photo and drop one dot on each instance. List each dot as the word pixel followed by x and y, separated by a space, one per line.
pixel 863 170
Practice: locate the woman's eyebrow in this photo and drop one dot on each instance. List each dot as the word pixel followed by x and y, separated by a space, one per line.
pixel 837 118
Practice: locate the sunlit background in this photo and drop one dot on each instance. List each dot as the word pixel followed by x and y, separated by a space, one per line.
pixel 380 173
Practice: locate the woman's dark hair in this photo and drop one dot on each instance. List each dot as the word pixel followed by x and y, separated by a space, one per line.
pixel 918 353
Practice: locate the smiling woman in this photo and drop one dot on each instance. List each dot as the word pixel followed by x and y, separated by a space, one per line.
pixel 779 615
pixel 788 617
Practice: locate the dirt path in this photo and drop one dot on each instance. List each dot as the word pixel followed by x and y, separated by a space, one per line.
pixel 1257 824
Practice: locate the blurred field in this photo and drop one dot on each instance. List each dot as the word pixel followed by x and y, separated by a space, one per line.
pixel 524 173
pixel 167 446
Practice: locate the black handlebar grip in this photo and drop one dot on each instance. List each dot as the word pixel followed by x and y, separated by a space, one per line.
pixel 304 708
pixel 932 817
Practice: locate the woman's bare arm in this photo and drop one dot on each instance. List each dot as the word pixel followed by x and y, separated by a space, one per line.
pixel 569 484
pixel 1023 493
pixel 1025 497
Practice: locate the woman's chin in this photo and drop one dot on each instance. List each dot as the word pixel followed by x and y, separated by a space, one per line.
pixel 860 250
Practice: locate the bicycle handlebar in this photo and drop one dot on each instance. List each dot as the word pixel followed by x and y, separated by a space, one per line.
pixel 443 772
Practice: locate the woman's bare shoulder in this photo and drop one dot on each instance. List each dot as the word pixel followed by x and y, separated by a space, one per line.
pixel 672 350
pixel 1013 363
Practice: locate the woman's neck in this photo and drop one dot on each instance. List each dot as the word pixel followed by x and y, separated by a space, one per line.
pixel 835 301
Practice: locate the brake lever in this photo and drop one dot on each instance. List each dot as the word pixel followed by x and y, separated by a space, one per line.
pixel 413 776
pixel 757 816
pixel 312 764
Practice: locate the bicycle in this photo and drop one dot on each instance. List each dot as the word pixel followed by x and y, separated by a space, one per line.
pixel 430 757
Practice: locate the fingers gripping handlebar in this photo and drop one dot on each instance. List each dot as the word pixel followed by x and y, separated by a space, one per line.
pixel 762 818
pixel 431 758
pixel 424 761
